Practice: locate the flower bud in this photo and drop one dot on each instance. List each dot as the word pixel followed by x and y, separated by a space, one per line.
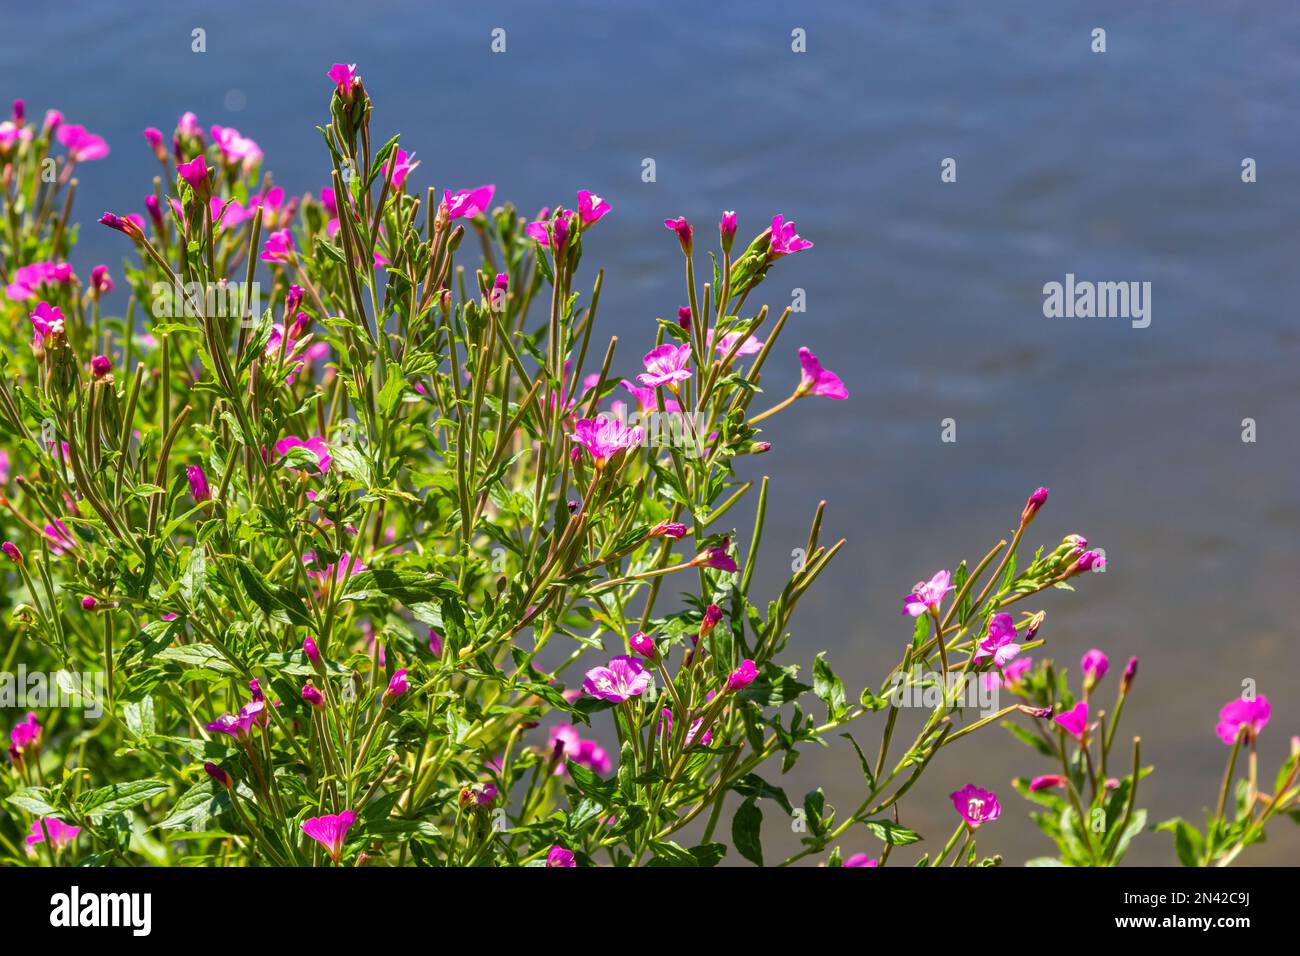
pixel 397 686
pixel 727 230
pixel 1094 665
pixel 1035 502
pixel 643 644
pixel 217 774
pixel 11 552
pixel 742 676
pixel 668 529
pixel 684 232
pixel 312 696
pixel 1130 672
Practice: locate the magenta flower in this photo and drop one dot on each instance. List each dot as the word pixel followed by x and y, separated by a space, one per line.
pixel 669 529
pixel 976 805
pixel 236 149
pixel 100 281
pixel 311 650
pixel 605 436
pixel 312 695
pixel 1051 781
pixel 590 207
pixel 27 281
pixel 88 603
pixel 1009 676
pixel 1036 501
pixel 927 594
pixel 397 686
pixel 11 552
pixel 195 172
pixel 154 137
pixel 559 858
pixel 712 615
pixel 716 558
pixel 861 859
pixel 784 239
pixel 217 774
pixel 1095 665
pixel 684 317
pixel 316 445
pixel 683 230
pixel 344 76
pixel 27 734
pixel 198 479
pixel 1000 643
pixel 129 225
pixel 435 643
pixel 400 166
pixel 540 230
pixel 1130 672
pixel 330 831
pixel 665 728
pixel 742 676
pixel 100 366
pixel 467 203
pixel 61 834
pixel 278 247
pixel 1091 561
pixel 81 145
pixel 727 229
pixel 240 725
pixel 568 745
pixel 643 644
pixel 817 380
pixel 346 565
pixel 1075 720
pixel 665 365
pixel 1251 714
pixel 47 323
pixel 724 344
pixel 624 677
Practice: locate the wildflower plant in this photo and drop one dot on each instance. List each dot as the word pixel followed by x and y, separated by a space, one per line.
pixel 378 544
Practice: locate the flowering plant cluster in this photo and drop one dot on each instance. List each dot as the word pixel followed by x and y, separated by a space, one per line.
pixel 385 558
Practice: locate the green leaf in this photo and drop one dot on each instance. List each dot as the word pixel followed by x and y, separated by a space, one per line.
pixel 408 587
pixel 34 800
pixel 890 832
pixel 1187 841
pixel 828 688
pixel 118 797
pixel 276 601
pixel 745 827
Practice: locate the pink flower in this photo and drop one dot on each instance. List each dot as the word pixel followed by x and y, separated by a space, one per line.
pixel 346 565
pixel 784 239
pixel 100 281
pixel 559 858
pixel 665 365
pixel 28 280
pixel 435 643
pixel 26 734
pixel 605 436
pixel 400 166
pixel 330 830
pixel 861 859
pixel 683 230
pixel 1091 561
pixel 684 317
pixel 312 695
pixel 927 594
pixel 565 741
pixel 1010 675
pixel 817 380
pixel 278 247
pixel 61 834
pixel 669 529
pixel 1094 665
pixel 712 615
pixel 311 650
pixel 1252 714
pixel 344 76
pixel 11 552
pixel 467 203
pixel 129 225
pixel 218 775
pixel 47 322
pixel 198 480
pixel 397 686
pixel 561 225
pixel 715 558
pixel 1075 720
pixel 240 725
pixel 590 207
pixel 188 126
pixel 727 229
pixel 316 445
pixel 82 145
pixel 665 728
pixel 154 137
pixel 724 344
pixel 976 805
pixel 100 366
pixel 236 148
pixel 1051 781
pixel 1000 642
pixel 643 644
pixel 742 676
pixel 1130 672
pixel 195 172
pixel 1036 501
pixel 623 678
